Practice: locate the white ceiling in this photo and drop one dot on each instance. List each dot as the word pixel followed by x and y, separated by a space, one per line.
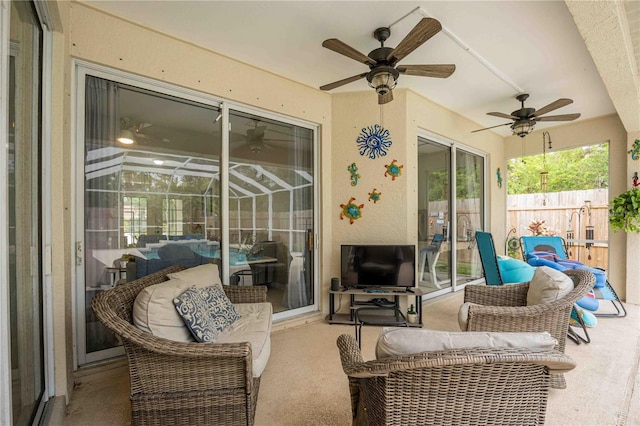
pixel 535 45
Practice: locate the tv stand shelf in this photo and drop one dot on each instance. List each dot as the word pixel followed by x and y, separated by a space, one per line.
pixel 335 318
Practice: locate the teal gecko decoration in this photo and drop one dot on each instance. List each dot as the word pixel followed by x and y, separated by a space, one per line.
pixel 499 176
pixel 374 196
pixel 393 170
pixel 635 151
pixel 374 141
pixel 353 169
pixel 350 210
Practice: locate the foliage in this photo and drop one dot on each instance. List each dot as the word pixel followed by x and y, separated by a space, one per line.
pixel 537 228
pixel 570 170
pixel 624 211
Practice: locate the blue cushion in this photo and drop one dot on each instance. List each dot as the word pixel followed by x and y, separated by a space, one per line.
pixel 589 302
pixel 514 270
pixel 588 318
pixel 206 312
pixel 221 309
pixel 195 313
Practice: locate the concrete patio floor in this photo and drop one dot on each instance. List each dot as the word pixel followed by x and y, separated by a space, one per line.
pixel 604 389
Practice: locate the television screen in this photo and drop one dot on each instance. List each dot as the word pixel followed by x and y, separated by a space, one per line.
pixel 377 266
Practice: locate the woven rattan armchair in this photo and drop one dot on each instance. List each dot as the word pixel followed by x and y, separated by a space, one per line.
pixel 454 387
pixel 175 383
pixel 504 308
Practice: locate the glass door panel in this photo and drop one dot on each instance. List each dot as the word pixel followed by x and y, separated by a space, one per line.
pixel 469 215
pixel 271 210
pixel 24 218
pixel 150 203
pixel 434 253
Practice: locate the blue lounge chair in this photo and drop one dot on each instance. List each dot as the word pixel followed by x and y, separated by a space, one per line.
pixel 493 276
pixel 552 251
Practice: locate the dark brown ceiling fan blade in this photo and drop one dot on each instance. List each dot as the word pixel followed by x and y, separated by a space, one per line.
pixel 346 50
pixel 487 128
pixel 423 31
pixel 502 115
pixel 438 71
pixel 563 117
pixel 343 82
pixel 385 99
pixel 553 105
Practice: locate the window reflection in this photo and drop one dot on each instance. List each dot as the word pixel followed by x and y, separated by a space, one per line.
pixel 157 201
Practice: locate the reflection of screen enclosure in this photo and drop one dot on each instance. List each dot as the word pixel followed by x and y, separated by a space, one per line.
pixel 158 199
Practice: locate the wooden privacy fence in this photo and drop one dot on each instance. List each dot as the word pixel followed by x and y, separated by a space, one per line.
pixel 565 212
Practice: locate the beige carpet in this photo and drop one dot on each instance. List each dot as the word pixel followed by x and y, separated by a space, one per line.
pixel 303 383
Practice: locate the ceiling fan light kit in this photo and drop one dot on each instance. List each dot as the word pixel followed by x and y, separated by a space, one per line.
pixel 525 119
pixel 383 74
pixel 126 137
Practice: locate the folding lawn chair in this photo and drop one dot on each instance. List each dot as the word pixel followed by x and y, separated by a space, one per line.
pixel 552 251
pixel 488 258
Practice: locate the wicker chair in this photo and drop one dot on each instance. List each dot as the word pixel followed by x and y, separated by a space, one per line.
pixel 182 383
pixel 455 387
pixel 504 308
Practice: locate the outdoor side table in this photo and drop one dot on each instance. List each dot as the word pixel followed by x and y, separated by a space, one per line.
pixel 376 316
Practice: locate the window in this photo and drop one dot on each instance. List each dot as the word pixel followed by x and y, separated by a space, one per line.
pixel 134 217
pixel 172 217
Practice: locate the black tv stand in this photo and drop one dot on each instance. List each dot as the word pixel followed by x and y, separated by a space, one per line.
pixel 335 318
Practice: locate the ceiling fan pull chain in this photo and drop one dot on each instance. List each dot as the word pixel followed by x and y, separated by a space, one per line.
pixel 381 116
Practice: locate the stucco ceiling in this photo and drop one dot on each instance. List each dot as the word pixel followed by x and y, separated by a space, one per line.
pixel 533 47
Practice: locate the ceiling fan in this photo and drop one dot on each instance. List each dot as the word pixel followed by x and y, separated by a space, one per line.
pixel 525 119
pixel 131 133
pixel 384 73
pixel 254 139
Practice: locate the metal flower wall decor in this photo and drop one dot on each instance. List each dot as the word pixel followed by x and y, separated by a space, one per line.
pixel 374 141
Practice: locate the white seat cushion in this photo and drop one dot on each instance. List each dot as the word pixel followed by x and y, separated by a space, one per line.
pixel 200 276
pixel 155 313
pixel 548 285
pixel 254 326
pixel 463 315
pixel 405 341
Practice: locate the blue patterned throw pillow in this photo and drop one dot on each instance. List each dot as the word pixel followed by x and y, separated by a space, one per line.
pixel 194 311
pixel 223 312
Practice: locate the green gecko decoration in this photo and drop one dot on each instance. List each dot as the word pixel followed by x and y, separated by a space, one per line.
pixel 353 169
pixel 499 176
pixel 635 151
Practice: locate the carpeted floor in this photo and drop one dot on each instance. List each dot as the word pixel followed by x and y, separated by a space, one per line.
pixel 303 383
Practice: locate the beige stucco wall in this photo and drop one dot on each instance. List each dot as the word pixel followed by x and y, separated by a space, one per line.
pixel 394 219
pixel 588 132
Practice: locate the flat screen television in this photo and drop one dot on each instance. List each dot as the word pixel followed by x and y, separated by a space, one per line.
pixel 383 266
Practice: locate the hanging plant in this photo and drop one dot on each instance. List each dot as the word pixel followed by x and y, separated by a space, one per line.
pixel 624 211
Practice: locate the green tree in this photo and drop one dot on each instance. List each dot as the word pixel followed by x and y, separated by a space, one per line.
pixel 573 169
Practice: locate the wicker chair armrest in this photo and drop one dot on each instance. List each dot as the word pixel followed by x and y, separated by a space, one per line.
pixel 553 360
pixel 163 366
pixel 153 358
pixel 246 294
pixel 504 295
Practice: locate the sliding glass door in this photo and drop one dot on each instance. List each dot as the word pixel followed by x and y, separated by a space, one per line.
pixel 271 205
pixel 450 209
pixel 178 178
pixel 23 214
pixel 470 174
